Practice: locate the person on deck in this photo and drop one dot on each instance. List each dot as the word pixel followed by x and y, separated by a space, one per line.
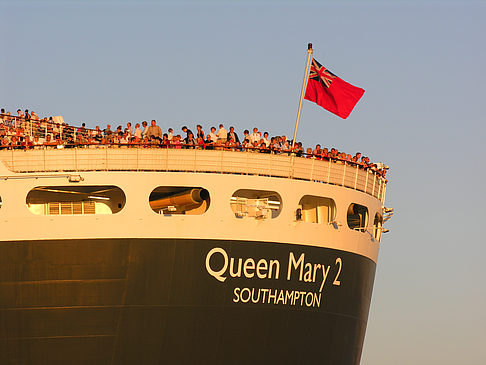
pixel 232 135
pixel 154 131
pixel 222 135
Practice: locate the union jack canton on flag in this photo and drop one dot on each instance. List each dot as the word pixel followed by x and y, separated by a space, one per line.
pixel 318 71
pixel 331 92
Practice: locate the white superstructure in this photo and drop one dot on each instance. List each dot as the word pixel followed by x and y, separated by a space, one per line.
pixel 252 196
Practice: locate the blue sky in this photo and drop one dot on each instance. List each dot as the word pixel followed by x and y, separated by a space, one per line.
pixel 242 63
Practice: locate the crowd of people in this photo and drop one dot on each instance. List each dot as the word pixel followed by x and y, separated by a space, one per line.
pixel 26 130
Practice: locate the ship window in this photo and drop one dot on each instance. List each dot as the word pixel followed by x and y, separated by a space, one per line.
pixel 377 224
pixel 169 200
pixel 357 217
pixel 79 200
pixel 258 204
pixel 316 209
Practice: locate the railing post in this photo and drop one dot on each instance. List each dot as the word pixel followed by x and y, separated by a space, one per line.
pixel 195 159
pixel 378 193
pixel 167 159
pixel 312 168
pixel 221 162
pixel 344 174
pixel 246 162
pixel 329 171
pixel 76 158
pixel 374 182
pixel 291 170
pixel 366 181
pixel 356 178
pixel 270 164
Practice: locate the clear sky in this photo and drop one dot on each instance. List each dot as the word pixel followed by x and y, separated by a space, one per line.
pixel 422 64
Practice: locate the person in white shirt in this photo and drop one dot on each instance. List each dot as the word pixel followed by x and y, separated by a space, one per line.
pixel 138 131
pixel 222 134
pixel 124 138
pixel 255 136
pixel 129 130
pixel 285 146
pixel 145 128
pixel 285 141
pixel 213 135
pixel 265 139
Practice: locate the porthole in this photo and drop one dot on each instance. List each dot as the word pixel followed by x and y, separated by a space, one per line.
pixel 316 209
pixel 257 204
pixel 357 217
pixel 75 200
pixel 377 225
pixel 169 200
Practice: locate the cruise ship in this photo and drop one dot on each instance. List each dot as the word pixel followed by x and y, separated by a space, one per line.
pixel 185 256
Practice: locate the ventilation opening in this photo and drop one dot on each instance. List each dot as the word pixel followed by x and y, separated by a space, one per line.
pixel 258 204
pixel 170 200
pixel 358 217
pixel 75 200
pixel 377 226
pixel 316 209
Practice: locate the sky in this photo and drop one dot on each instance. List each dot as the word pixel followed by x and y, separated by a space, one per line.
pixel 422 64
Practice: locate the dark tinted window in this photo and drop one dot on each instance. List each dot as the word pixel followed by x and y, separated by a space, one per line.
pixel 169 200
pixel 357 217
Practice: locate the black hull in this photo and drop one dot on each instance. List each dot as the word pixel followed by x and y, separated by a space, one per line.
pixel 153 301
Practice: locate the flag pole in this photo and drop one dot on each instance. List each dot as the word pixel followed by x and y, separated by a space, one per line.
pixel 304 83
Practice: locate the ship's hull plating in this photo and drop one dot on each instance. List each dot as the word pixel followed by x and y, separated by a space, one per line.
pixel 181 301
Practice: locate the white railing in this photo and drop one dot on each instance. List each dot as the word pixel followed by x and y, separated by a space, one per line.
pixel 158 159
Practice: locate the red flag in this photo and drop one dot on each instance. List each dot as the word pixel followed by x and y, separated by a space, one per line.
pixel 331 92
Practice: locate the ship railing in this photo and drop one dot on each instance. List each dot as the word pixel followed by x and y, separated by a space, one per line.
pixel 41 127
pixel 340 173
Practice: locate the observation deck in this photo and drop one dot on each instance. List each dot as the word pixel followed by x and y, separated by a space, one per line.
pixel 340 173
